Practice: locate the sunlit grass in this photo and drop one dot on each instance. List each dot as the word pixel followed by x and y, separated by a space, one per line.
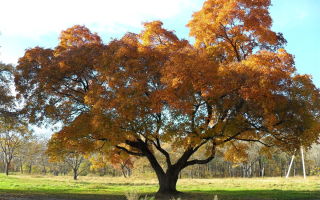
pixel 225 188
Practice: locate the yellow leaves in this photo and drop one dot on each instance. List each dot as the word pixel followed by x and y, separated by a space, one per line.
pixel 98 161
pixel 176 82
pixel 236 77
pixel 236 153
pixel 237 26
pixel 192 140
pixel 270 62
pixel 50 110
pixel 188 70
pixel 259 77
pixel 155 35
pixel 77 36
pixel 270 120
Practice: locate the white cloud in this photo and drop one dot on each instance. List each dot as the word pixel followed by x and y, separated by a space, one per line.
pixel 27 23
pixel 33 18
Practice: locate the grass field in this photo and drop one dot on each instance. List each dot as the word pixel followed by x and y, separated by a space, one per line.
pixel 63 187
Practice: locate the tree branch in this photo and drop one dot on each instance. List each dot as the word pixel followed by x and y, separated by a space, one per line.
pixel 161 150
pixel 196 161
pixel 143 147
pixel 129 152
pixel 235 135
pixel 254 140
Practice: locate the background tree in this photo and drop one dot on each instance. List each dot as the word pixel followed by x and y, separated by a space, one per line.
pixel 99 164
pixel 32 153
pixel 12 134
pixel 43 159
pixel 235 85
pixel 59 150
pixel 314 160
pixel 102 162
pixel 124 162
pixel 6 87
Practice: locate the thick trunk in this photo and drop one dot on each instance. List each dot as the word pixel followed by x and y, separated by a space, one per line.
pixel 168 182
pixel 167 179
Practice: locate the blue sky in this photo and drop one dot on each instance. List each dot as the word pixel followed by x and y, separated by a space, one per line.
pixel 26 24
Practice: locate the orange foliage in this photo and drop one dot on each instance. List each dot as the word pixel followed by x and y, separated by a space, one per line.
pixel 237 84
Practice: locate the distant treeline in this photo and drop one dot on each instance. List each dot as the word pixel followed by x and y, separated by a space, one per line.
pixel 31 158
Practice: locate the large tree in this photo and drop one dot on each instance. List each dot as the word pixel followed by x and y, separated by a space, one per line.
pixel 235 85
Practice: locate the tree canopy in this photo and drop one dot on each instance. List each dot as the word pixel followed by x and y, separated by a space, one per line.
pixel 236 84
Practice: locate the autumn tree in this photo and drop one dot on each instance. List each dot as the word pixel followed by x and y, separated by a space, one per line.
pixel 12 131
pixel 6 83
pixel 235 85
pixel 12 134
pixel 123 161
pixel 99 163
pixel 66 151
pixel 117 159
pixel 43 159
pixel 74 59
pixel 32 153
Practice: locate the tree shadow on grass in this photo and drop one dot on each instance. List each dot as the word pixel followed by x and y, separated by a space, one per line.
pixel 186 195
pixel 253 195
pixel 18 195
pixel 13 194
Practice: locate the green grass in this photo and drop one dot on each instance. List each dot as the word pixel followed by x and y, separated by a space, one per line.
pixel 113 188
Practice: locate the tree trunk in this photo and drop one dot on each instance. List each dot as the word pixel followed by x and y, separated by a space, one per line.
pixel 75 174
pixel 30 168
pixel 21 169
pixel 168 179
pixel 168 182
pixel 7 165
pixel 129 172
pixel 44 170
pixel 56 173
pixel 21 166
pixel 261 167
pixel 104 170
pixel 123 172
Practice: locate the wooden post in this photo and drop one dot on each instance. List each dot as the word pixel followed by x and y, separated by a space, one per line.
pixel 290 166
pixel 303 166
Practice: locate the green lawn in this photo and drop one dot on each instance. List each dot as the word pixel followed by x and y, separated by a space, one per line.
pixel 114 188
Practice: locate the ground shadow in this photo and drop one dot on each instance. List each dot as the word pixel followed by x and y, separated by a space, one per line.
pixel 186 195
pixel 253 195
